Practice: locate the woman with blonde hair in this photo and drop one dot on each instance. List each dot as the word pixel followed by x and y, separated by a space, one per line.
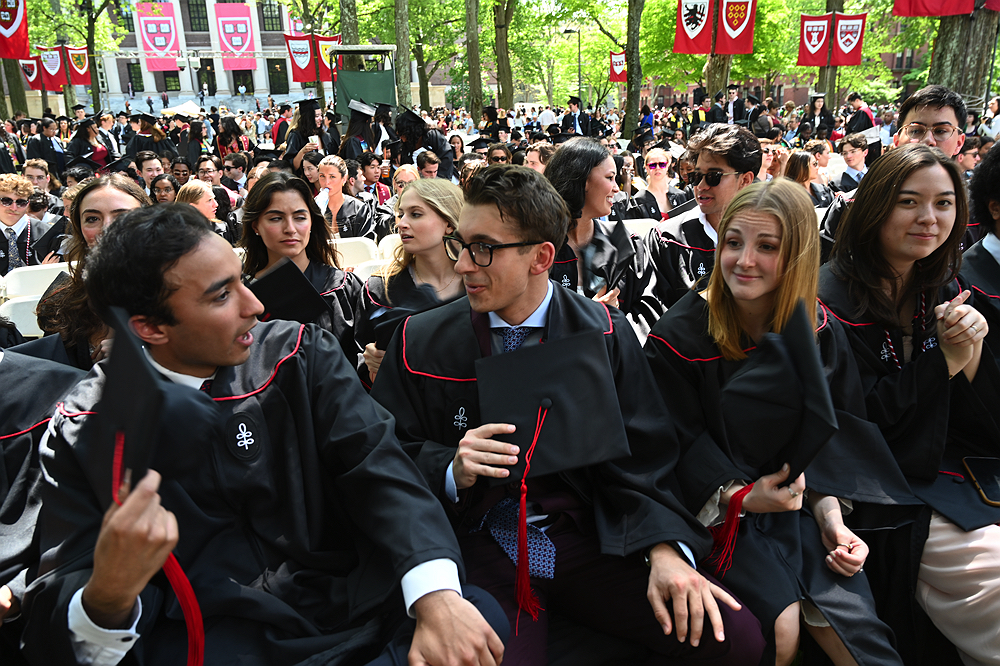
pixel 786 564
pixel 205 197
pixel 426 212
pixel 659 196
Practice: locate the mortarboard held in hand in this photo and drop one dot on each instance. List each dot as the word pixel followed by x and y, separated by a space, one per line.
pixel 777 407
pixel 287 293
pixel 557 383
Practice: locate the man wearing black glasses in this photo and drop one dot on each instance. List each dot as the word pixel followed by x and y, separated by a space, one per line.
pixel 19 230
pixel 681 249
pixel 499 153
pixel 575 531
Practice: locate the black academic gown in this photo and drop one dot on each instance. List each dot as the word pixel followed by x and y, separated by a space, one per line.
pixel 341 291
pixel 982 272
pixel 295 141
pixel 40 147
pixel 612 252
pixel 352 147
pixel 822 196
pixel 354 219
pixel 294 544
pixel 785 549
pixel 40 384
pixel 26 242
pixel 428 375
pixel 141 142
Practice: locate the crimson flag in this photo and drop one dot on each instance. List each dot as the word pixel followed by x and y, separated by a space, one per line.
pixel 32 70
pixel 235 36
pixel 157 34
pixel 323 46
pixel 302 54
pixel 932 7
pixel 694 26
pixel 814 40
pixel 735 35
pixel 618 73
pixel 848 34
pixel 79 65
pixel 53 68
pixel 14 29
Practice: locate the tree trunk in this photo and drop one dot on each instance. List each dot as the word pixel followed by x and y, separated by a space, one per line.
pixel 95 83
pixel 963 52
pixel 634 67
pixel 402 11
pixel 717 67
pixel 503 12
pixel 349 32
pixel 475 101
pixel 4 111
pixel 550 82
pixel 15 86
pixel 422 78
pixel 826 82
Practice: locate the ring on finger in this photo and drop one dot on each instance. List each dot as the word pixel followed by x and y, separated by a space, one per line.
pixel 975 328
pixel 793 493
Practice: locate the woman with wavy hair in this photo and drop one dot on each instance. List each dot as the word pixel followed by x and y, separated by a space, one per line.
pixel 794 562
pixel 149 136
pixel 81 337
pixel 281 220
pixel 426 212
pixel 803 168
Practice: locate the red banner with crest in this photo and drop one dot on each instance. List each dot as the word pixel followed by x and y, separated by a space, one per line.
pixel 14 29
pixel 323 45
pixel 618 73
pixel 53 67
pixel 32 70
pixel 694 26
pixel 814 40
pixel 735 34
pixel 157 32
pixel 235 36
pixel 301 52
pixel 79 65
pixel 848 36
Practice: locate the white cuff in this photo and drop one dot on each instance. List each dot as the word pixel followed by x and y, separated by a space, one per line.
pixel 95 645
pixel 686 550
pixel 710 513
pixel 450 487
pixel 440 574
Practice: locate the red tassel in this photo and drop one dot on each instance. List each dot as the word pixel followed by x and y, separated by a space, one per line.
pixel 527 600
pixel 724 536
pixel 175 575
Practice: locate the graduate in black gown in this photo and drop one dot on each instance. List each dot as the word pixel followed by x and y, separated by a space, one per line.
pixel 40 384
pixel 149 136
pixel 284 496
pixel 981 262
pixel 600 259
pixel 358 136
pixel 427 211
pixel 281 220
pixel 768 259
pixel 307 125
pixel 931 385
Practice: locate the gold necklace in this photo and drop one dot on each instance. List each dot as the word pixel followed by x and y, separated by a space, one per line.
pixel 444 288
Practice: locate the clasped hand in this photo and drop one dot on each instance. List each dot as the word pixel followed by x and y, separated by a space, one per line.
pixel 767 496
pixel 478 452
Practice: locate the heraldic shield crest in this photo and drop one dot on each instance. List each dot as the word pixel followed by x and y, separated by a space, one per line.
pixel 234 31
pixel 736 16
pixel 159 33
pixel 815 32
pixel 695 16
pixel 11 17
pixel 849 33
pixel 301 51
pixel 30 69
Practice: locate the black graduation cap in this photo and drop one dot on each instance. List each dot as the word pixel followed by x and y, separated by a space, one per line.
pixel 677 105
pixel 80 160
pixel 77 107
pixel 136 117
pixel 479 143
pixel 359 106
pixel 563 137
pixel 128 412
pixel 733 86
pixel 719 95
pixel 61 118
pixel 181 117
pixel 574 100
pixel 753 99
pixel 119 166
pixel 643 136
pixel 84 123
pixel 777 407
pixel 519 386
pixel 121 113
pixel 287 293
pixel 409 115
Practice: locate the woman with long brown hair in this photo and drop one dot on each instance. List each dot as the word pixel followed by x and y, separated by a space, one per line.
pixel 148 136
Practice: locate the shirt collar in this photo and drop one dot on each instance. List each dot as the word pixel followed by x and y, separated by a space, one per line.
pixel 992 245
pixel 536 319
pixel 18 227
pixel 176 377
pixel 709 229
pixel 853 173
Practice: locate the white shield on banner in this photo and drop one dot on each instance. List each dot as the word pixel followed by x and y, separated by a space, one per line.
pixel 849 34
pixel 618 62
pixel 30 69
pixel 78 60
pixel 324 52
pixel 736 16
pixel 815 34
pixel 301 52
pixel 51 61
pixel 158 34
pixel 235 33
pixel 11 17
pixel 694 13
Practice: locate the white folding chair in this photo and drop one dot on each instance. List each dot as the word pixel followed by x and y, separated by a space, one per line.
pixel 3 289
pixel 354 251
pixel 387 246
pixel 33 280
pixel 366 269
pixel 21 311
pixel 640 227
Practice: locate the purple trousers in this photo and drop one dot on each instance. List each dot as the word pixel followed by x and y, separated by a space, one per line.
pixel 601 592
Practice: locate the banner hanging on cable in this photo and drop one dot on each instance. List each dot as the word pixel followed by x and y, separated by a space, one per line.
pixel 235 36
pixel 323 46
pixel 694 26
pixel 14 29
pixel 849 34
pixel 814 40
pixel 157 31
pixel 735 34
pixel 618 73
pixel 53 68
pixel 79 65
pixel 32 70
pixel 300 53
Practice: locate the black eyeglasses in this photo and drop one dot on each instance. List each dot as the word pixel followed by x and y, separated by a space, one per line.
pixel 8 202
pixel 712 178
pixel 917 131
pixel 499 158
pixel 481 253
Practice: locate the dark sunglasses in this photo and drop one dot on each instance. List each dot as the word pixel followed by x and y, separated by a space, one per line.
pixel 712 178
pixel 7 201
pixel 501 158
pixel 656 165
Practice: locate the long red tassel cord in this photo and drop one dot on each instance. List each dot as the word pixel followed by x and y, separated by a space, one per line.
pixel 724 536
pixel 175 575
pixel 527 600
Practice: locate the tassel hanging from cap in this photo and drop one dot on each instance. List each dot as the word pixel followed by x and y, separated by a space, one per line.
pixel 527 600
pixel 724 535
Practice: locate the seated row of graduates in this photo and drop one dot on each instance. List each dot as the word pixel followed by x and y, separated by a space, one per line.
pixel 894 355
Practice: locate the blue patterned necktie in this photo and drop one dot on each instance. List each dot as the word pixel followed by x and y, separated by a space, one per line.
pixel 513 336
pixel 13 256
pixel 502 521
